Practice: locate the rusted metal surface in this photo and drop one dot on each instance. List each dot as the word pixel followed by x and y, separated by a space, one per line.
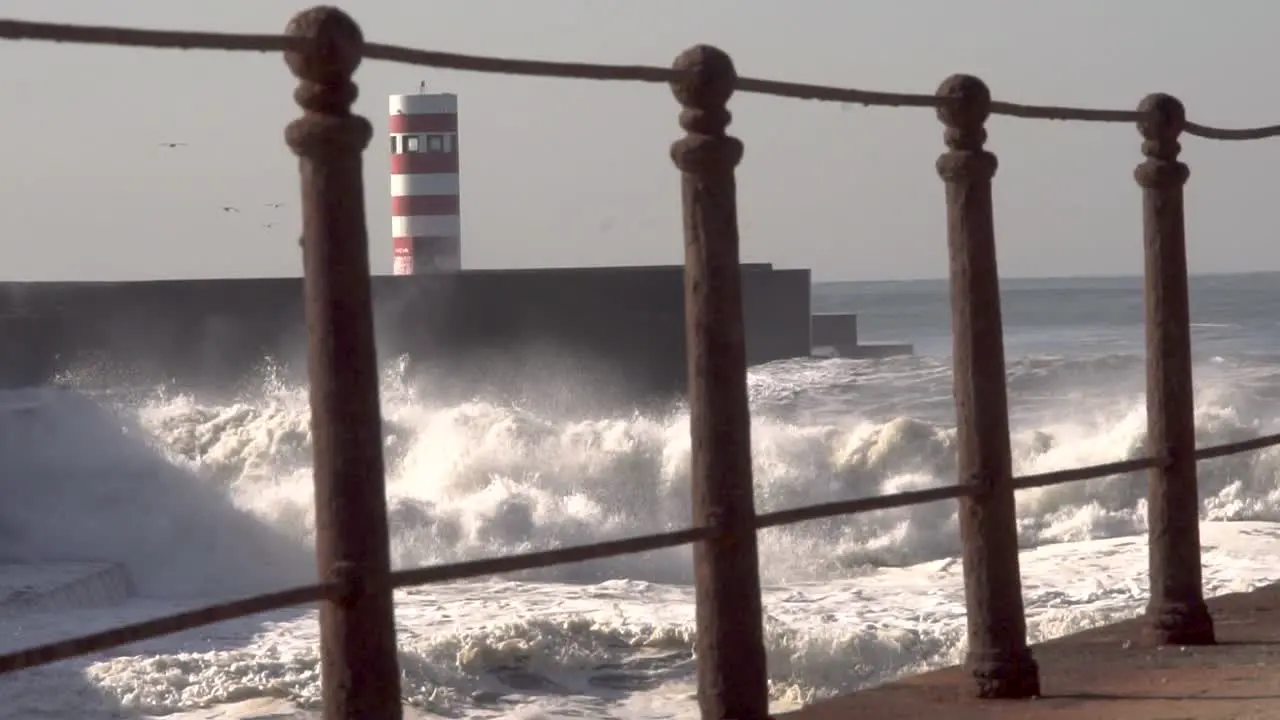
pixel 999 659
pixel 359 669
pixel 732 679
pixel 1177 613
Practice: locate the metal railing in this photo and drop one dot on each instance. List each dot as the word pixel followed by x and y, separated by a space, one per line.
pixel 323 47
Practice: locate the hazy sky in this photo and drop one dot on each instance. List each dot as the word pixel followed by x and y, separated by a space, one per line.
pixel 558 172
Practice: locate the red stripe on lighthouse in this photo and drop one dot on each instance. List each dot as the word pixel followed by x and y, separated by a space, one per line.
pixel 410 205
pixel 432 123
pixel 423 163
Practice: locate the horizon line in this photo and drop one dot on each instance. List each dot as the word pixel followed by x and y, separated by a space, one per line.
pixel 1003 278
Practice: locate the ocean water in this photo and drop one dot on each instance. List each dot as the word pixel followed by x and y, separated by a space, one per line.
pixel 205 497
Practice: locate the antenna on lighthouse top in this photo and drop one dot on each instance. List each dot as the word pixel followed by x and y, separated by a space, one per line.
pixel 422 87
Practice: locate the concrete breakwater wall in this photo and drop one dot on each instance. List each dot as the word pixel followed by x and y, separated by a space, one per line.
pixel 613 334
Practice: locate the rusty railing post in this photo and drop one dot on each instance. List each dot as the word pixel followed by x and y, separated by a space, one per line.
pixel 1177 613
pixel 359 668
pixel 999 660
pixel 732 677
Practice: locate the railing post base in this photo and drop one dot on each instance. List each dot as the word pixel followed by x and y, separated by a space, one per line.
pixel 1004 675
pixel 1178 624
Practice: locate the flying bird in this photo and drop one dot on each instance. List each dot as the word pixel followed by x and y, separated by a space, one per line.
pixel 274 205
pixel 172 144
pixel 228 208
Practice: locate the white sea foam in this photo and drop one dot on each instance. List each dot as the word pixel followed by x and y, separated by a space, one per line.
pixel 203 499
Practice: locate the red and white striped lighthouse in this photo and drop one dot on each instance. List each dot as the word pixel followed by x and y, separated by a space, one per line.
pixel 426 223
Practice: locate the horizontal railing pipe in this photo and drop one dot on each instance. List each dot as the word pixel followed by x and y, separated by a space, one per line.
pixel 548 558
pixel 167 625
pixel 856 506
pixel 1235 448
pixel 231 610
pixel 1060 477
pixel 242 42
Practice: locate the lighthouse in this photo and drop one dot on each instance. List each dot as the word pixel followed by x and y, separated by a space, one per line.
pixel 426 222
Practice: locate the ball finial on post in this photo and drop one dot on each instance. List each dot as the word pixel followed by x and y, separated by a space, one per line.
pixel 330 45
pixel 964 111
pixel 705 83
pixel 328 48
pixel 965 107
pixel 1162 118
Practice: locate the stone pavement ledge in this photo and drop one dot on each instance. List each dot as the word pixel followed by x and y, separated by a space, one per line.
pixel 1107 674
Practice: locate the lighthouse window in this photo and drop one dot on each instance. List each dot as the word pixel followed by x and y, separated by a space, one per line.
pixel 435 143
pixel 393 144
pixel 448 143
pixel 412 143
